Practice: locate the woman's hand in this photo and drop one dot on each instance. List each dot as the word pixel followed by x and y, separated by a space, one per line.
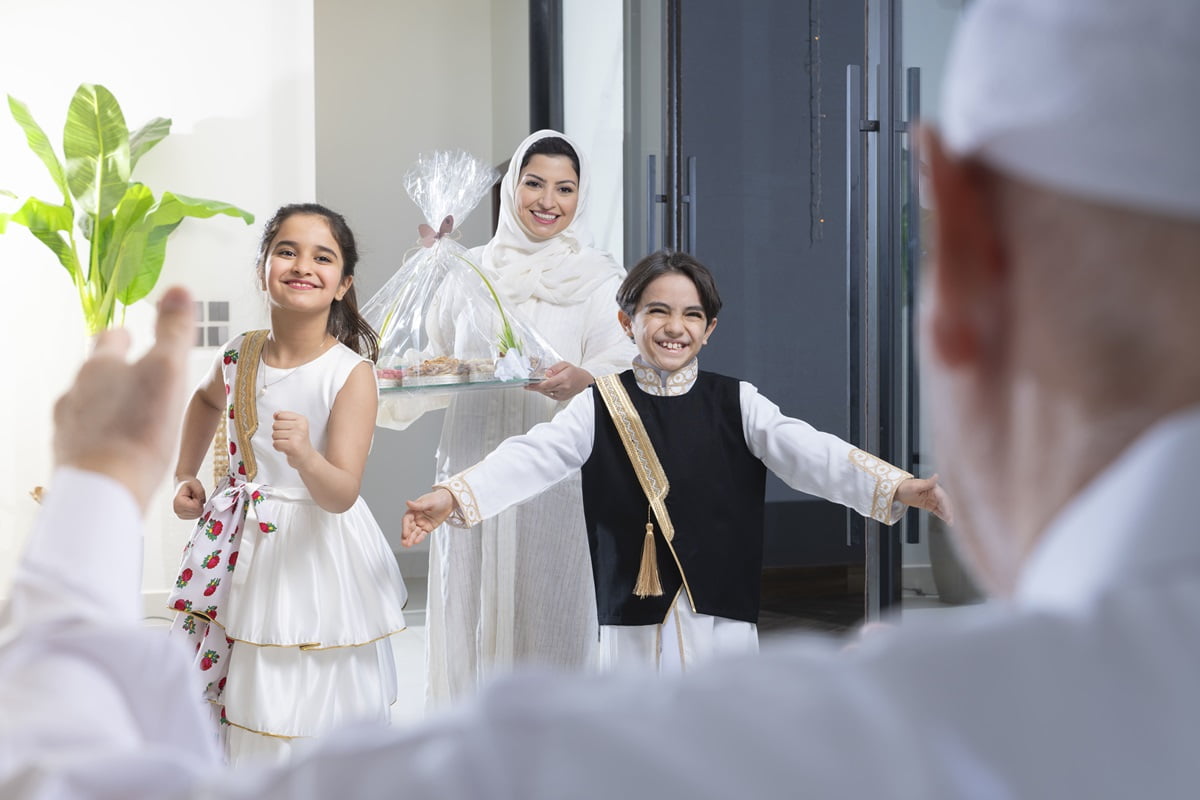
pixel 189 498
pixel 289 435
pixel 563 381
pixel 424 514
pixel 925 493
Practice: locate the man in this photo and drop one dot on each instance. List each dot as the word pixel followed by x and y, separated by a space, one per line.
pixel 1059 321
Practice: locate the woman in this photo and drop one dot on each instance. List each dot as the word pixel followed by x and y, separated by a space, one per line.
pixel 518 588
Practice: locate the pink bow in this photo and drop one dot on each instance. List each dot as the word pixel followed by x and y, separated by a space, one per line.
pixel 429 235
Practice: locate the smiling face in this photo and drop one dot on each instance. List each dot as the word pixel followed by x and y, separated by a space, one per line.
pixel 303 270
pixel 547 195
pixel 669 325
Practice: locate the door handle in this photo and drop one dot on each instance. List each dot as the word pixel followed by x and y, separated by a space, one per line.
pixel 855 265
pixel 691 198
pixel 913 253
pixel 651 202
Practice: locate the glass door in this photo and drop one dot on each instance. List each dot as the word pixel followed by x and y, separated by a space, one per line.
pixel 907 43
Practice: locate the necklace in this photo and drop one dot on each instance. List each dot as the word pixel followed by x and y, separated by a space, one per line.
pixel 262 390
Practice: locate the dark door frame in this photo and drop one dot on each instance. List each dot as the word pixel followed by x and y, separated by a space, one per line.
pixel 545 65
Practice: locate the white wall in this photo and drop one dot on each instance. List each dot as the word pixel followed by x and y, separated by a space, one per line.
pixel 594 109
pixel 236 79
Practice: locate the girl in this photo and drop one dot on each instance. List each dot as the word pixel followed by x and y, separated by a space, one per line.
pixel 288 589
pixel 688 587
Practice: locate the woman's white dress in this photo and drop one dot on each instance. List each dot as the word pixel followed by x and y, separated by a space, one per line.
pixel 518 588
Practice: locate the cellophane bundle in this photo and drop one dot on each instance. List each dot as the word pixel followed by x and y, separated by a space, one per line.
pixel 443 326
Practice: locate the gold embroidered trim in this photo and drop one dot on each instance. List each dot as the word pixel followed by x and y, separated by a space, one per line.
pixel 638 447
pixel 467 514
pixel 245 407
pixel 645 461
pixel 677 382
pixel 887 480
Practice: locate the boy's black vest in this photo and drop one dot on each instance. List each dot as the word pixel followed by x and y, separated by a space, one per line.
pixel 715 503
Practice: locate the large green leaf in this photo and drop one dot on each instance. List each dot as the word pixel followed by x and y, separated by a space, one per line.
pixel 145 137
pixel 122 253
pixel 151 232
pixel 51 224
pixel 39 143
pixel 96 144
pixel 201 208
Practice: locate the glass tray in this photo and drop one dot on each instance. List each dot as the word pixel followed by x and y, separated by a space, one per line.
pixel 453 388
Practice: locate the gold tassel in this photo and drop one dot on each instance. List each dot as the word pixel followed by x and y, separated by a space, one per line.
pixel 648 584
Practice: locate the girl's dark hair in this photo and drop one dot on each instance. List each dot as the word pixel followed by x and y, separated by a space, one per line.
pixel 345 323
pixel 551 146
pixel 662 263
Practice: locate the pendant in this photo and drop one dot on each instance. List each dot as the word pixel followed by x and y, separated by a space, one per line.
pixel 262 391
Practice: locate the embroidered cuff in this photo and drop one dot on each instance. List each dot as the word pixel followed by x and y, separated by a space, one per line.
pixel 884 507
pixel 466 513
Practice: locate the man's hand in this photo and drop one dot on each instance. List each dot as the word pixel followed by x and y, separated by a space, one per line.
pixel 424 514
pixel 925 493
pixel 121 419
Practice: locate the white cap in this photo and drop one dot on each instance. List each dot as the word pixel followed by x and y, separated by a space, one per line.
pixel 1095 98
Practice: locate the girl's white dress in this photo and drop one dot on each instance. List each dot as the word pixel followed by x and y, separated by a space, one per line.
pixel 313 595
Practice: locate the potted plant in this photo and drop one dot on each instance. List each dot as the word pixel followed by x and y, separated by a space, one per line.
pixel 125 226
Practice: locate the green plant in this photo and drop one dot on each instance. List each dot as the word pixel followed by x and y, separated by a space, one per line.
pixel 507 340
pixel 125 227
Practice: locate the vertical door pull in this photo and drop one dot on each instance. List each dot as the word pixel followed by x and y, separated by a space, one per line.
pixel 651 203
pixel 691 199
pixel 913 246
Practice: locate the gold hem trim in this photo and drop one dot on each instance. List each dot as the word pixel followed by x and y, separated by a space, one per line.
pixel 261 733
pixel 199 614
pixel 311 646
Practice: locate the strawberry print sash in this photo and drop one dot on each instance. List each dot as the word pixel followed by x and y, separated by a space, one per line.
pixel 211 554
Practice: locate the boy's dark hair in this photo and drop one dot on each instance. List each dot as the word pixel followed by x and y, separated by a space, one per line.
pixel 345 323
pixel 664 262
pixel 551 146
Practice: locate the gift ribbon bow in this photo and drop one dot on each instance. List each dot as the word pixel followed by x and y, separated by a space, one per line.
pixel 429 235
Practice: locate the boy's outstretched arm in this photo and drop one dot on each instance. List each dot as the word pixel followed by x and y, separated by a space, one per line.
pixel 424 514
pixel 927 494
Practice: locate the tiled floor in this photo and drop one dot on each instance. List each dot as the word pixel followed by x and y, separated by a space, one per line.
pixel 822 614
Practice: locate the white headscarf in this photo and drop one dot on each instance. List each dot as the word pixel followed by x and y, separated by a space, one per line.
pixel 1096 98
pixel 564 269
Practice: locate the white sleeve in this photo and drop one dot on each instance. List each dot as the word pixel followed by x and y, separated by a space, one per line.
pixel 526 465
pixel 83 558
pixel 819 463
pixel 95 705
pixel 606 348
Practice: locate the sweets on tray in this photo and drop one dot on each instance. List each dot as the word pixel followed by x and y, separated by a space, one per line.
pixel 389 378
pixel 446 371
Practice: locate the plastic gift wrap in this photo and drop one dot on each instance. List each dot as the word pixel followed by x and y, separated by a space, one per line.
pixel 443 326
